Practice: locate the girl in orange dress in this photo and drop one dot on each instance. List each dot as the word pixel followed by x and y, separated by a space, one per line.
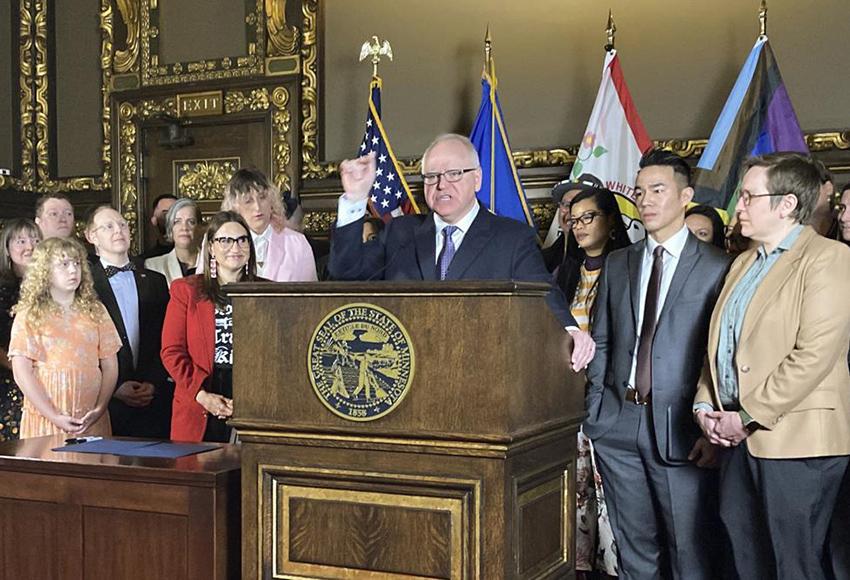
pixel 63 345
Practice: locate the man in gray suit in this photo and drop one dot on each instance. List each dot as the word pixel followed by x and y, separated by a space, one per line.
pixel 651 323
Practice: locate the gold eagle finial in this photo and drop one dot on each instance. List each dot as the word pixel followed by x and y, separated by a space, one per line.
pixel 376 50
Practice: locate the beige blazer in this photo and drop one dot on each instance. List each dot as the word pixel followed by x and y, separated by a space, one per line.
pixel 167 265
pixel 792 355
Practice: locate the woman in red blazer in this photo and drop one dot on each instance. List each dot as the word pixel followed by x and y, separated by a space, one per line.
pixel 197 337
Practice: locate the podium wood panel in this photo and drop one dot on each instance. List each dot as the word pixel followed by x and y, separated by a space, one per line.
pixel 470 476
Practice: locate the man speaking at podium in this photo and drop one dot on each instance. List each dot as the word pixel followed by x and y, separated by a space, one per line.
pixel 457 240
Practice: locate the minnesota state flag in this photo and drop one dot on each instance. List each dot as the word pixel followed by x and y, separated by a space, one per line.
pixel 501 189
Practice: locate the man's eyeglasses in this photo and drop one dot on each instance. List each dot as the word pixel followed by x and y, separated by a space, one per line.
pixel 111 227
pixel 747 197
pixel 226 242
pixel 584 219
pixel 451 175
pixel 55 215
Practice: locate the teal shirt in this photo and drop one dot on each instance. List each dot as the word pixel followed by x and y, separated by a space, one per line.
pixel 732 320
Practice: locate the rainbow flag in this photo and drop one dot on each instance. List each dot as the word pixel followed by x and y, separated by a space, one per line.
pixel 758 118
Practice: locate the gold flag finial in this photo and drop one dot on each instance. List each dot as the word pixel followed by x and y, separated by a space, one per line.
pixel 763 19
pixel 376 50
pixel 488 45
pixel 610 30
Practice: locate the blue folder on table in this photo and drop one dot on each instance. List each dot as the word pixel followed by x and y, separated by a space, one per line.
pixel 164 449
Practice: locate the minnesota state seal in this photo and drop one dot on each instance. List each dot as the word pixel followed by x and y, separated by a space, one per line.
pixel 360 362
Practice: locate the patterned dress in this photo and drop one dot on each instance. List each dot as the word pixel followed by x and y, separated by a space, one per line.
pixel 66 351
pixel 11 399
pixel 595 547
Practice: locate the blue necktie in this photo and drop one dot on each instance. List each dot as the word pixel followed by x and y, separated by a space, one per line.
pixel 448 250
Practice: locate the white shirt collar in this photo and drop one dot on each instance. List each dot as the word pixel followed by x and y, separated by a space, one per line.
pixel 463 224
pixel 673 246
pixel 106 263
pixel 267 233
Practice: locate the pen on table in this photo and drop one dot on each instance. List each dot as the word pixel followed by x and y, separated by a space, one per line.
pixel 75 440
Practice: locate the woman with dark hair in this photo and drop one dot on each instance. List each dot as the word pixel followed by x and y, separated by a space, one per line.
pixel 197 338
pixel 17 243
pixel 596 225
pixel 707 225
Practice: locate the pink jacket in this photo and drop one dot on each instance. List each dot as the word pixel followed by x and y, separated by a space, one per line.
pixel 289 258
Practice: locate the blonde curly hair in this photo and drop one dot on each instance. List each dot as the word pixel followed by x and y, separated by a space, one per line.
pixel 36 299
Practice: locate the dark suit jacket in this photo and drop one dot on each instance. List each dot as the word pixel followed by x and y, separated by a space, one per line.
pixel 153 420
pixel 494 248
pixel 678 349
pixel 188 345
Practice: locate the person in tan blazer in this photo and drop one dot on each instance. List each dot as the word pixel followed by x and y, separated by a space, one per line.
pixel 775 392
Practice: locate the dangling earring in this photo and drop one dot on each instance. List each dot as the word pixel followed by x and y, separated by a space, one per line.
pixel 212 267
pixel 246 269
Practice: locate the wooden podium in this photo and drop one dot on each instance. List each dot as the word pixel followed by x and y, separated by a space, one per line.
pixel 470 474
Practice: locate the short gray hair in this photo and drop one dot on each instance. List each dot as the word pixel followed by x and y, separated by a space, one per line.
pixel 462 139
pixel 172 214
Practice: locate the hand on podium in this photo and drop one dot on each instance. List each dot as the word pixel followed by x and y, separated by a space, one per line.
pixel 357 176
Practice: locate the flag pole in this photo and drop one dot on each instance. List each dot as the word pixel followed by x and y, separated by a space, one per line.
pixel 763 20
pixel 491 76
pixel 610 31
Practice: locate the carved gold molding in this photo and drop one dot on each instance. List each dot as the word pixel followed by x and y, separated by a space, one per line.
pixel 827 141
pixel 283 37
pixel 131 115
pixel 311 167
pixel 127 60
pixel 26 180
pixel 203 179
pixel 41 111
pixel 156 73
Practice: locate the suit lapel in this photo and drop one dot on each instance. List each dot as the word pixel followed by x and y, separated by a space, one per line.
pixel 274 255
pixel 779 273
pixel 172 264
pixel 474 242
pixel 687 261
pixel 424 239
pixel 206 318
pixel 106 295
pixel 635 257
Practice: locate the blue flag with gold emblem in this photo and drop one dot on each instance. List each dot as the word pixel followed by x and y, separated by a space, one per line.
pixel 390 195
pixel 501 189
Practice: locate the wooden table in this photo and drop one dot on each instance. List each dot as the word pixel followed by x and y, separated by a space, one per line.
pixel 89 516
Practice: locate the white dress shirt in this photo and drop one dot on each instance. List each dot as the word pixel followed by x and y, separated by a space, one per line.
pixel 127 295
pixel 349 211
pixel 672 251
pixel 261 248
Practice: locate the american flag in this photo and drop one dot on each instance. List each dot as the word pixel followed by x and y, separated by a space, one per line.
pixel 390 195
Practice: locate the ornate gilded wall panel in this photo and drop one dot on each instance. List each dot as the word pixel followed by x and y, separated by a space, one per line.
pixel 201 175
pixel 203 178
pixel 155 72
pixel 40 107
pixel 25 181
pixel 127 58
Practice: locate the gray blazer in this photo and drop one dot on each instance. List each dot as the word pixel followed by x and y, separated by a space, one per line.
pixel 678 348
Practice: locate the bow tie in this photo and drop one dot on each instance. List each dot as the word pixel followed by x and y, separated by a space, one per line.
pixel 112 270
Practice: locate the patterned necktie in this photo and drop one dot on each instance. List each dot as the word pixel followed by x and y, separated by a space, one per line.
pixel 112 270
pixel 643 371
pixel 448 251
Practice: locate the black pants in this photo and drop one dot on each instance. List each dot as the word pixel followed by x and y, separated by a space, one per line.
pixel 777 512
